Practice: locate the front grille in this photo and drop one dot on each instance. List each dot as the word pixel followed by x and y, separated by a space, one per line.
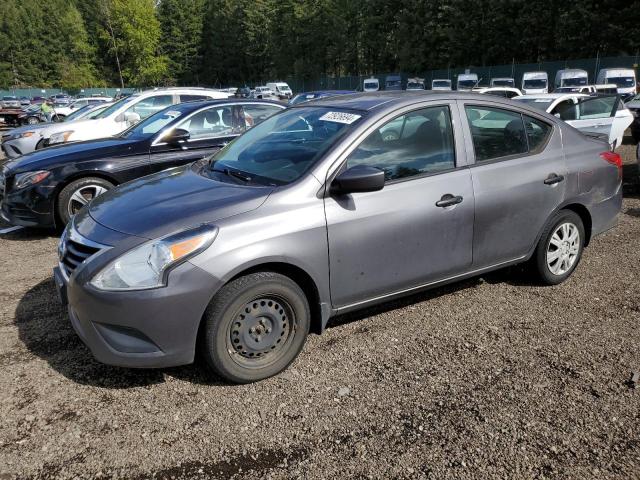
pixel 75 249
pixel 75 254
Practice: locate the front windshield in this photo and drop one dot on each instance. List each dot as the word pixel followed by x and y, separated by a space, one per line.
pixel 393 83
pixel 78 113
pixel 283 147
pixel 9 98
pixel 415 85
pixel 574 82
pixel 622 82
pixel 539 103
pixel 535 83
pixel 441 84
pixel 467 83
pixel 503 83
pixel 108 111
pixel 370 84
pixel 151 125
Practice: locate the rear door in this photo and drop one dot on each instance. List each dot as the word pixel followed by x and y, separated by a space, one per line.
pixel 518 175
pixel 404 235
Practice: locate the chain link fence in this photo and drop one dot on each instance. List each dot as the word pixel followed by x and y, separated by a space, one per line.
pixel 485 74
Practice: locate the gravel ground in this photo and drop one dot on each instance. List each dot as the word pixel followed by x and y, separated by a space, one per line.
pixel 492 377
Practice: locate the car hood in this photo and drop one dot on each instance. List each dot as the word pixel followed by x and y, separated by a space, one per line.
pixel 27 128
pixel 51 157
pixel 173 200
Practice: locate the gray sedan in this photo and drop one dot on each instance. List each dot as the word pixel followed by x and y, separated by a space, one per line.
pixel 320 210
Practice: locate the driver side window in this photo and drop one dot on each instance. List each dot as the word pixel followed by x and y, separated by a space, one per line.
pixel 566 110
pixel 417 143
pixel 213 122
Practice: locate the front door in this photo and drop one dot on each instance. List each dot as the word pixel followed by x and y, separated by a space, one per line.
pixel 602 116
pixel 518 180
pixel 419 227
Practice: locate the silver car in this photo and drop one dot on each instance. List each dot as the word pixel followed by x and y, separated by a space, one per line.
pixel 319 211
pixel 26 139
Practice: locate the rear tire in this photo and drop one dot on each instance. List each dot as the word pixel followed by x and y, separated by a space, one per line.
pixel 32 121
pixel 255 327
pixel 559 249
pixel 78 193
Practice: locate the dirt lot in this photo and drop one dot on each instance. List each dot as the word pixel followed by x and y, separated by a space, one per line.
pixel 493 377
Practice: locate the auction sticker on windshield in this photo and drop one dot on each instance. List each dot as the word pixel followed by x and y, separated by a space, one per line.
pixel 340 117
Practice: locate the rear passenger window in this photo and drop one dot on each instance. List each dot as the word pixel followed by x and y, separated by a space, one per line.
pixel 538 133
pixel 496 133
pixel 417 143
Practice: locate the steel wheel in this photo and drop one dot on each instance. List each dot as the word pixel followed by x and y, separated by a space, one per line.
pixel 261 331
pixel 563 248
pixel 82 196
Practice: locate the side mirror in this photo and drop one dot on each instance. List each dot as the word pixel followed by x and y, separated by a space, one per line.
pixel 177 135
pixel 131 118
pixel 360 178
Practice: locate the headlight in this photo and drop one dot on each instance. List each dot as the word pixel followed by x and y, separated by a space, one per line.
pixel 60 137
pixel 22 135
pixel 30 178
pixel 146 266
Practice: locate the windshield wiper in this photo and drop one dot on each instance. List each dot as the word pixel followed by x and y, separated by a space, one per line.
pixel 232 173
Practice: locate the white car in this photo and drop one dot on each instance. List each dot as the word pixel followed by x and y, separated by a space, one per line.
pixel 603 115
pixel 505 92
pixel 371 85
pixel 129 111
pixel 66 110
pixel 280 89
pixel 441 84
pixel 263 92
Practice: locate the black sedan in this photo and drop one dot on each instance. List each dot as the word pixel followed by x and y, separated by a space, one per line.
pixel 47 187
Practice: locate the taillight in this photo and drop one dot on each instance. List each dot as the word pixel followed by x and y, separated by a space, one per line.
pixel 614 159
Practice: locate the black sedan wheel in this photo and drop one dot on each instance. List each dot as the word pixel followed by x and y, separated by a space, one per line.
pixel 77 194
pixel 255 327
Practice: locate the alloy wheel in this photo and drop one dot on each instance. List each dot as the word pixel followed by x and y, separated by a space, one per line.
pixel 82 196
pixel 563 248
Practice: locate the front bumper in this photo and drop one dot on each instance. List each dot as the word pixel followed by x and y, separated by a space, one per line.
pixel 29 207
pixel 145 328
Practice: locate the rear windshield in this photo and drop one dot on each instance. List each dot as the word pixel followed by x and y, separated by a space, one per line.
pixel 283 147
pixel 503 83
pixel 467 83
pixel 441 83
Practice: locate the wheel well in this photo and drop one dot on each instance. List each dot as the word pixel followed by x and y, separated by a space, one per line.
pixel 73 178
pixel 585 216
pixel 304 281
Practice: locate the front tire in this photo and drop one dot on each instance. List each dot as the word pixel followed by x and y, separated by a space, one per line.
pixel 559 249
pixel 77 194
pixel 255 327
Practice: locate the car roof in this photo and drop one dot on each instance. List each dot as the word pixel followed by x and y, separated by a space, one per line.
pixel 374 101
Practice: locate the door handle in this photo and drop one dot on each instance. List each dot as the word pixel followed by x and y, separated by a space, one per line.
pixel 449 200
pixel 553 178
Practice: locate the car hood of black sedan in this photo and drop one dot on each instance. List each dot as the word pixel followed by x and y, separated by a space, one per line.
pixel 51 157
pixel 172 200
